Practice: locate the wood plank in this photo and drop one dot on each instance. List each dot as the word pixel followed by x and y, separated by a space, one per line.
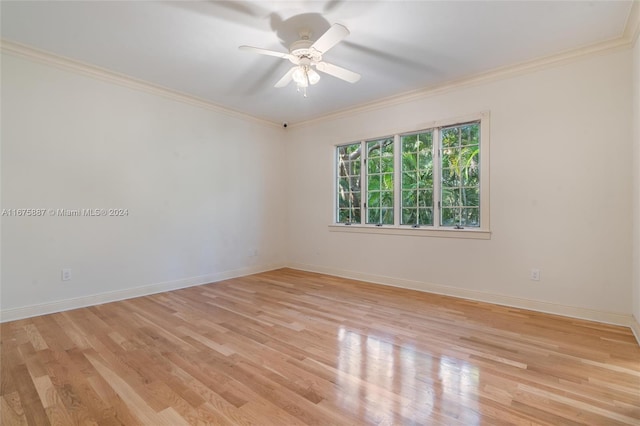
pixel 292 347
pixel 11 411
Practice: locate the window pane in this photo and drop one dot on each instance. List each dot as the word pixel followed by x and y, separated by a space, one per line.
pixel 387 150
pixel 450 216
pixel 355 167
pixel 349 215
pixel 425 179
pixel 386 181
pixel 465 135
pixel 450 137
pixel 373 183
pixel 348 183
pixel 425 141
pixel 469 155
pixel 451 157
pixel 475 133
pixel 471 177
pixel 470 134
pixel 409 161
pixel 343 201
pixel 460 165
pixel 470 217
pixel 409 143
pixel 409 216
pixel 450 197
pixel 450 177
pixel 373 165
pixel 352 168
pixel 386 199
pixel 409 198
pixel 386 216
pixel 417 155
pixel 425 160
pixel 409 180
pixel 373 199
pixel 425 217
pixel 386 165
pixel 470 197
pixel 356 215
pixel 425 198
pixel 380 185
pixel 374 215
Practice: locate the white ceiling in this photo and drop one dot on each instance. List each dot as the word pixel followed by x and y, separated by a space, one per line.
pixel 397 46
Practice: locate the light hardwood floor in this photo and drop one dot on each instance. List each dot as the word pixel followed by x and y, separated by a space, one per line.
pixel 289 347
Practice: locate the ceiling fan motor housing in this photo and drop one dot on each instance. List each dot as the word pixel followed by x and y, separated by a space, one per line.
pixel 301 49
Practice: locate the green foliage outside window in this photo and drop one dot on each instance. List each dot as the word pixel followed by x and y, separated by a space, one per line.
pixel 349 193
pixel 455 193
pixel 460 167
pixel 417 179
pixel 380 181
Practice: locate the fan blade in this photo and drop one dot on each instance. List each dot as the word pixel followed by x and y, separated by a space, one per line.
pixel 330 38
pixel 286 79
pixel 265 52
pixel 339 72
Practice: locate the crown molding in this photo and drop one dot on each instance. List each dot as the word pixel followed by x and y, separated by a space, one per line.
pixel 61 62
pixel 559 59
pixel 627 39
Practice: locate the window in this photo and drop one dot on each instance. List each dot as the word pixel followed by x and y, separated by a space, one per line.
pixel 460 191
pixel 417 179
pixel 432 179
pixel 349 166
pixel 379 163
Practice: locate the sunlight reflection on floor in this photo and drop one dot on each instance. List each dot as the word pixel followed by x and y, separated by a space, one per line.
pixel 372 371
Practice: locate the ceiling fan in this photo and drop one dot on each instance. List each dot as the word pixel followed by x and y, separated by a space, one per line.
pixel 307 55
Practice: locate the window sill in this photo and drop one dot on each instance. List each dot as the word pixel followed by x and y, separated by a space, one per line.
pixel 473 234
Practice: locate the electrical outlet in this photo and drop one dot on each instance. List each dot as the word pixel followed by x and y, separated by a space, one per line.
pixel 535 274
pixel 66 274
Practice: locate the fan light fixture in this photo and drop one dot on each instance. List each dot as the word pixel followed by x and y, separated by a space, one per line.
pixel 304 76
pixel 306 56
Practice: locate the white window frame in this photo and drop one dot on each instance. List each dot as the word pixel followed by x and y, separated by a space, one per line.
pixel 365 180
pixel 437 230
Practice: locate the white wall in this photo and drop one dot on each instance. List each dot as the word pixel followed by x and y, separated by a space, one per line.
pixel 636 180
pixel 560 185
pixel 206 190
pixel 203 189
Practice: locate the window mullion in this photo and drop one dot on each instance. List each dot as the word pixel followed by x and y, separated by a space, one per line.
pixel 483 145
pixel 397 176
pixel 363 182
pixel 437 177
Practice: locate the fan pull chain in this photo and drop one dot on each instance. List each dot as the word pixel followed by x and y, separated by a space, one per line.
pixel 304 91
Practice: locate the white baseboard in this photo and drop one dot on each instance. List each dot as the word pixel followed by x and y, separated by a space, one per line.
pixel 114 296
pixel 498 299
